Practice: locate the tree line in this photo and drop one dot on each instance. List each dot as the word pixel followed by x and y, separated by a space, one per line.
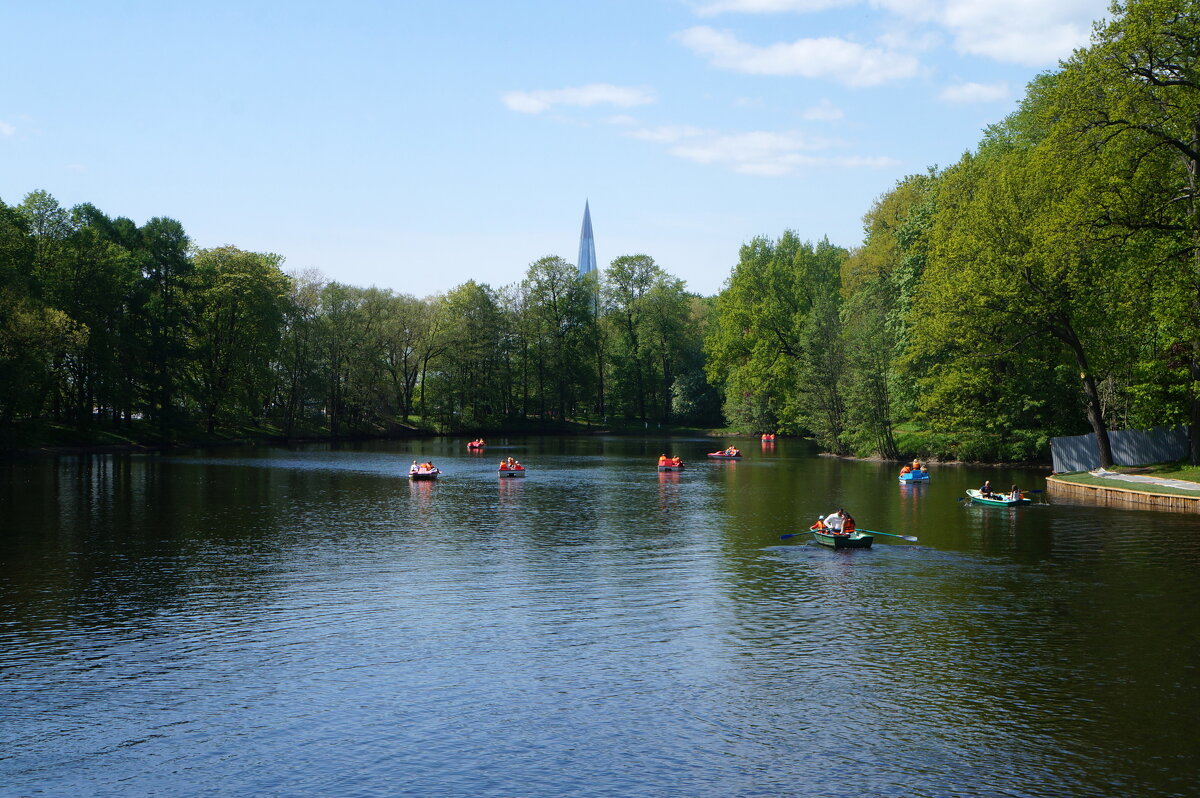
pixel 1046 283
pixel 105 324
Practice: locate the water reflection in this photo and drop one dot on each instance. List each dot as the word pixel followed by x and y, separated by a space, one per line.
pixel 597 628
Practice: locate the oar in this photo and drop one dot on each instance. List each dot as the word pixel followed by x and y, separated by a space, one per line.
pixel 913 538
pixel 793 534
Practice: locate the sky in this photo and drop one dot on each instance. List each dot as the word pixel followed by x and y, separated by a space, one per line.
pixel 415 145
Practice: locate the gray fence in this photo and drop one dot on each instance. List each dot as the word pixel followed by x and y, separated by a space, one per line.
pixel 1129 447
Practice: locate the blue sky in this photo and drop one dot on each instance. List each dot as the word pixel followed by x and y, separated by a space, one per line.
pixel 416 145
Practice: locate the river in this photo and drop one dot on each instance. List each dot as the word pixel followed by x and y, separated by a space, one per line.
pixel 307 622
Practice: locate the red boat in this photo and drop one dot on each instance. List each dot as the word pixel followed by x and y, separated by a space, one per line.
pixel 729 454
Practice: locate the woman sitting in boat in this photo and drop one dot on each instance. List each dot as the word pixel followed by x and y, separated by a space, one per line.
pixel 731 451
pixel 1014 494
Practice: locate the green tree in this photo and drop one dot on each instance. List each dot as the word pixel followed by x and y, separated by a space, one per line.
pixel 237 312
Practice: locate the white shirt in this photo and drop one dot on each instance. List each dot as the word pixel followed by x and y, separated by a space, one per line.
pixel 834 522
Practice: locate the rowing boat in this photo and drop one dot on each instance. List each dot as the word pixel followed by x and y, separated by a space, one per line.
pixel 996 499
pixel 420 473
pixel 855 540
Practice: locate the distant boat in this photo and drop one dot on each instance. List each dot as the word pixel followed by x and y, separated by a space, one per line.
pixel 768 437
pixel 726 455
pixel 515 471
pixel 915 476
pixel 476 444
pixel 424 471
pixel 671 466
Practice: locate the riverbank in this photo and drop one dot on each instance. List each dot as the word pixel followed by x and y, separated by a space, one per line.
pixel 1107 491
pixel 58 439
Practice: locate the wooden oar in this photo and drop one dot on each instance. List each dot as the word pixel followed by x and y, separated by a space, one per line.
pixel 913 538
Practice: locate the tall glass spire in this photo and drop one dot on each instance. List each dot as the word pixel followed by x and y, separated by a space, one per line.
pixel 587 245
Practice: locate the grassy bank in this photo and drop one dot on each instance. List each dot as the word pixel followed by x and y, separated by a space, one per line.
pixel 1178 470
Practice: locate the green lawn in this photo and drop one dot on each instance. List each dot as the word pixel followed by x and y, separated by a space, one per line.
pixel 1167 470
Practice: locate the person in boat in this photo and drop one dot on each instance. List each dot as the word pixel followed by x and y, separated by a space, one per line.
pixel 503 465
pixel 905 470
pixel 1014 493
pixel 834 521
pixel 847 524
pixel 676 461
pixel 517 466
pixel 985 490
pixel 413 468
pixel 662 460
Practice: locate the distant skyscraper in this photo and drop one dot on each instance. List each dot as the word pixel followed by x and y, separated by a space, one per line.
pixel 587 245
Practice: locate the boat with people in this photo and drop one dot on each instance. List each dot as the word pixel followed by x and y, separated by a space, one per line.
pixel 731 453
pixel 768 437
pixel 423 471
pixel 511 468
pixel 478 443
pixel 842 540
pixel 670 463
pixel 914 473
pixel 997 499
pixel 839 531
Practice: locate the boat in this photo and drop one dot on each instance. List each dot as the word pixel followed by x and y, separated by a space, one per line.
pixel 725 455
pixel 519 471
pixel 424 471
pixel 671 467
pixel 996 499
pixel 855 540
pixel 768 437
pixel 476 444
pixel 915 476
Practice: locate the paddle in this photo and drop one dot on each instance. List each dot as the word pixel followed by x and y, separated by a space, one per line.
pixel 913 538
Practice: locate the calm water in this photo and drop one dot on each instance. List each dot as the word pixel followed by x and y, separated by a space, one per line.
pixel 306 622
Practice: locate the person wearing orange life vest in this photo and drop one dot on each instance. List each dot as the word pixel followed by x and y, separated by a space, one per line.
pixel 676 461
pixel 503 465
pixel 905 470
pixel 662 460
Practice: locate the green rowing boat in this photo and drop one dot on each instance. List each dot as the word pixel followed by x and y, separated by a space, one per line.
pixel 996 499
pixel 855 540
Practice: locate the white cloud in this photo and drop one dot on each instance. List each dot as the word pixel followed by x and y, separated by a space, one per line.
pixel 766 6
pixel 824 111
pixel 1028 32
pixel 764 153
pixel 965 93
pixel 6 129
pixel 827 57
pixel 535 102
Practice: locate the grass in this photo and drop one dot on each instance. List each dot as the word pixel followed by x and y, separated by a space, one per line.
pixel 1177 470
